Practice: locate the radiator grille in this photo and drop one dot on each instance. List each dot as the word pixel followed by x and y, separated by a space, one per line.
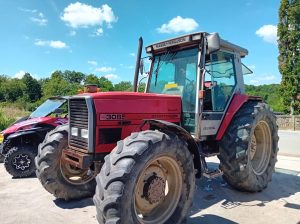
pixel 78 119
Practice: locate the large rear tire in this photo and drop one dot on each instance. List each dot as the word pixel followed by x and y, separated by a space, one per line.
pixel 60 179
pixel 248 150
pixel 148 178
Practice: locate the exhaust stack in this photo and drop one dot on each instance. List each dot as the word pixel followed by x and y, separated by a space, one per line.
pixel 137 65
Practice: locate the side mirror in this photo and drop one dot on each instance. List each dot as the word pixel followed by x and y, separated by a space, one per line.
pixel 213 43
pixel 142 66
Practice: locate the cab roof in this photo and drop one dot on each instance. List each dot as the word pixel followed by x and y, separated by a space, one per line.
pixel 193 39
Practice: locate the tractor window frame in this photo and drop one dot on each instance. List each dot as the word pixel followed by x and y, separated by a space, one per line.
pixel 212 104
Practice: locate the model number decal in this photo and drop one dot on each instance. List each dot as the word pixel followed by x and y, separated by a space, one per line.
pixel 111 117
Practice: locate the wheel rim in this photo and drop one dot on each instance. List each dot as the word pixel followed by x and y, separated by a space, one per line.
pixel 260 148
pixel 21 162
pixel 75 175
pixel 158 190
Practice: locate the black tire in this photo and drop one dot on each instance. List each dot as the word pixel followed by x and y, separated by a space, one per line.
pixel 116 183
pixel 1 158
pixel 240 167
pixel 49 169
pixel 19 161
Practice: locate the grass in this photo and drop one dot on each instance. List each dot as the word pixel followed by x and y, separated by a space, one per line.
pixel 10 114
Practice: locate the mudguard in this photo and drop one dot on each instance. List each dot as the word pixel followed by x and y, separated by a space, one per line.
pixel 193 147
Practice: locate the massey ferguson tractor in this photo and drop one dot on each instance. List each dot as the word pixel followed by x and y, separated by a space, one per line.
pixel 141 152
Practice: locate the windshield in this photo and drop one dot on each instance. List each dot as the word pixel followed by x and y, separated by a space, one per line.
pixel 172 73
pixel 176 74
pixel 47 107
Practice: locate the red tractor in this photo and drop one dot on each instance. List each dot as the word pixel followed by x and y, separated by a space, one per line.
pixel 141 152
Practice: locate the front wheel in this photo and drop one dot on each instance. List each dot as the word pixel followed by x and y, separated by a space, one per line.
pixel 148 178
pixel 19 161
pixel 61 179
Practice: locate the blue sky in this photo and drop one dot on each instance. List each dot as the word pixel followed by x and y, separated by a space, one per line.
pixel 101 37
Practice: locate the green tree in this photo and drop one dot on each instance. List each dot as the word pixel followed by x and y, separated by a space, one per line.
pixel 123 86
pixel 73 76
pixel 58 86
pixel 13 89
pixel 3 79
pixel 289 53
pixel 105 85
pixel 91 79
pixel 33 88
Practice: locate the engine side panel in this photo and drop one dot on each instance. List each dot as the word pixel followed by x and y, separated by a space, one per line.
pixel 118 118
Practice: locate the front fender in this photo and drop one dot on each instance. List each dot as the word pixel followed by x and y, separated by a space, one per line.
pixel 166 127
pixel 36 131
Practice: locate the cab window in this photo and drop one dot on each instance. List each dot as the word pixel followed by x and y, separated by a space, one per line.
pixel 220 81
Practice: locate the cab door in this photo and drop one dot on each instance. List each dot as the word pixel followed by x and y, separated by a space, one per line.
pixel 219 86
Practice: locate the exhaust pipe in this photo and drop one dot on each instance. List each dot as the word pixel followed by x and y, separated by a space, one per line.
pixel 137 65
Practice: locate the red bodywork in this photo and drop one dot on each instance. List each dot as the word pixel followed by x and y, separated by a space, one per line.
pixel 27 124
pixel 127 110
pixel 237 102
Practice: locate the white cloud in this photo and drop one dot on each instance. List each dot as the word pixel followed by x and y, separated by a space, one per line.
pixel 99 32
pixel 19 74
pixel 268 33
pixel 178 24
pixel 112 76
pixel 57 44
pixel 72 33
pixel 263 79
pixel 28 10
pixel 93 63
pixel 254 81
pixel 79 15
pixel 39 19
pixel 105 69
pixel 51 43
pixel 268 78
pixel 132 54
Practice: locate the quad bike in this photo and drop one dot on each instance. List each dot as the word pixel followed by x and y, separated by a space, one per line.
pixel 19 142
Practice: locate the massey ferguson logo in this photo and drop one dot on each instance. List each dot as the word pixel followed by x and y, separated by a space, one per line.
pixel 111 117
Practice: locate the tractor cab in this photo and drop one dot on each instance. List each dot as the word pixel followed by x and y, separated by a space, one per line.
pixel 206 78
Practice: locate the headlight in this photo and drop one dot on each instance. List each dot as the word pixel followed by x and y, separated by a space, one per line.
pixel 1 138
pixel 84 133
pixel 74 131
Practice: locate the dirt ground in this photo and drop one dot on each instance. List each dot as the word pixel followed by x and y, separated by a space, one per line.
pixel 26 201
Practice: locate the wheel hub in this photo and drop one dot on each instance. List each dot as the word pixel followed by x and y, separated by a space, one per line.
pixel 21 162
pixel 154 189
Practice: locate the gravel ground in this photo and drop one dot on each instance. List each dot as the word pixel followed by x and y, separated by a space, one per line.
pixel 26 201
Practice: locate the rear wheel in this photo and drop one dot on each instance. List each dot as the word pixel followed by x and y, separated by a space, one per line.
pixel 148 178
pixel 19 161
pixel 61 179
pixel 248 150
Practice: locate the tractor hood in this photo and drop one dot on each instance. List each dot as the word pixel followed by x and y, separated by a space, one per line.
pixel 146 105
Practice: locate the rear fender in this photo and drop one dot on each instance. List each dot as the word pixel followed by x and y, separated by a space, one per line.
pixel 236 103
pixel 168 127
